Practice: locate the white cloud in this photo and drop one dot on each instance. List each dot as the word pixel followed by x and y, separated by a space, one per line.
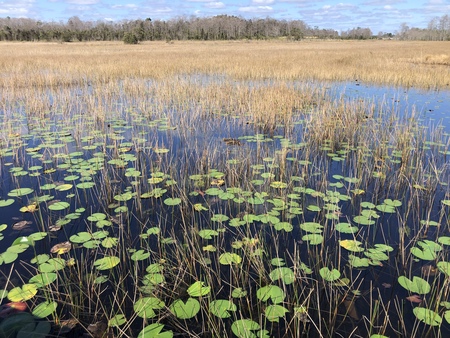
pixel 16 8
pixel 82 2
pixel 263 2
pixel 128 6
pixel 256 9
pixel 215 5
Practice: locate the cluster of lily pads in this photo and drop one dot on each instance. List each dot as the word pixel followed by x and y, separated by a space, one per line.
pixel 134 221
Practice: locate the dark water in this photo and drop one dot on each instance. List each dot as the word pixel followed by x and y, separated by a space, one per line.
pixel 252 151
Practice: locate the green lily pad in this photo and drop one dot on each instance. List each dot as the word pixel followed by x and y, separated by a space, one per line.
pixel 427 316
pixel 22 293
pixel 117 320
pixel 283 273
pixel 222 307
pixel 229 258
pixel 172 201
pixel 329 275
pixel 20 192
pixel 57 206
pixel 272 292
pixel 198 289
pixel 140 255
pixel 313 239
pixel 154 331
pixel 6 203
pixel 145 307
pixel 417 285
pixel 45 309
pixel 186 310
pixel 312 227
pixel 107 262
pixel 207 233
pixel 351 245
pixel 243 328
pixel 43 279
pixel 275 312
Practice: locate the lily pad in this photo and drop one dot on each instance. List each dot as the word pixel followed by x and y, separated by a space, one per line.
pixel 107 262
pixel 222 308
pixel 243 328
pixel 186 310
pixel 417 285
pixel 45 309
pixel 154 331
pixel 329 275
pixel 427 316
pixel 198 289
pixel 272 292
pixel 145 307
pixel 283 273
pixel 22 293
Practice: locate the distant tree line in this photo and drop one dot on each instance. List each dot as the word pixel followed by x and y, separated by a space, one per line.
pixel 438 29
pixel 221 27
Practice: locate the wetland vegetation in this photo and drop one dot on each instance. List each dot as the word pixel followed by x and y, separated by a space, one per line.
pixel 222 189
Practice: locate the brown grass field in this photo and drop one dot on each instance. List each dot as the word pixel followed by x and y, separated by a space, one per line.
pixel 418 64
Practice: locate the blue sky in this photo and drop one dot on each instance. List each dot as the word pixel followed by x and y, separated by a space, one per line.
pixel 378 15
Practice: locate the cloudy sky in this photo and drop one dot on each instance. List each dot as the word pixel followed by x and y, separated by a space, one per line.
pixel 378 15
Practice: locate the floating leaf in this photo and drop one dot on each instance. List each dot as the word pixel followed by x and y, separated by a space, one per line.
pixel 346 228
pixel 23 293
pixel 243 328
pixel 43 279
pixel 107 262
pixel 199 207
pixel 275 312
pixel 363 220
pixel 427 316
pixel 329 275
pixel 20 192
pixel 6 203
pixel 172 201
pixel 313 239
pixel 351 245
pixel 85 185
pixel 286 226
pixel 444 267
pixel 117 320
pixel 145 307
pixel 417 285
pixel 313 208
pixel 229 258
pixel 154 331
pixel 283 273
pixel 61 248
pixel 356 262
pixel 312 227
pixel 80 237
pixel 238 293
pixel 221 308
pixel 278 185
pixel 273 292
pixel 198 289
pixel 186 310
pixel 207 233
pixel 45 309
pixel 140 255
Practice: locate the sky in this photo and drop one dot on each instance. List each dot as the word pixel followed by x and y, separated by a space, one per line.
pixel 341 15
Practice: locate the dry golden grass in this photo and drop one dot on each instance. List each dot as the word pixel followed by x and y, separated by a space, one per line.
pixel 421 64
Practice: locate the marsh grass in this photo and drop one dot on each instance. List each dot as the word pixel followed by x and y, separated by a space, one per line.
pixel 223 172
pixel 383 62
